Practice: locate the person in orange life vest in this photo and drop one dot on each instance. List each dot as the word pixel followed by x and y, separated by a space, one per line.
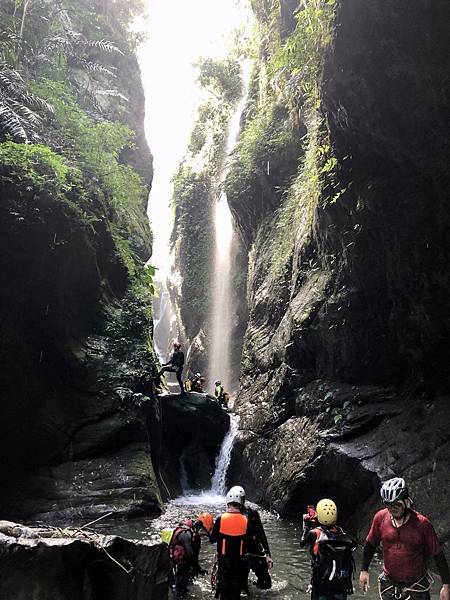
pixel 257 556
pixel 331 551
pixel 231 531
pixel 175 364
pixel 184 550
pixel 408 540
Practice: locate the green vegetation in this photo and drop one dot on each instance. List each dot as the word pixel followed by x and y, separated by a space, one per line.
pixel 276 164
pixel 58 76
pixel 197 187
pixel 295 69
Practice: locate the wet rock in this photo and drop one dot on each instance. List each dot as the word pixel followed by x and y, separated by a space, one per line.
pixel 193 427
pixel 346 346
pixel 90 567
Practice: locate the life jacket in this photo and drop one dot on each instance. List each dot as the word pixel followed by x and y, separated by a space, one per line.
pixel 177 551
pixel 233 529
pixel 332 560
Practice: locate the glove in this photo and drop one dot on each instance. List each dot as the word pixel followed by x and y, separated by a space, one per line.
pixel 269 562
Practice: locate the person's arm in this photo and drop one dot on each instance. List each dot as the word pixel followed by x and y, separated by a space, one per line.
pixel 260 533
pixel 308 537
pixel 434 548
pixel 372 542
pixel 442 567
pixel 215 531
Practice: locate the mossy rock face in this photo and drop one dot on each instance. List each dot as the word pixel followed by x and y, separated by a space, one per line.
pixel 347 344
pixel 76 363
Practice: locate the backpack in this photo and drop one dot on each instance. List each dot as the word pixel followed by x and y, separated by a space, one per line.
pixel 177 552
pixel 333 563
pixel 166 535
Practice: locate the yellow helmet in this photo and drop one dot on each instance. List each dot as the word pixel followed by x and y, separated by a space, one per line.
pixel 326 512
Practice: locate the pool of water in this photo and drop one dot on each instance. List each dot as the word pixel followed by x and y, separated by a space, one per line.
pixel 291 570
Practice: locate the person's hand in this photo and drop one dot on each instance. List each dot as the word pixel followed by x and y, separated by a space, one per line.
pixel 445 592
pixel 364 582
pixel 309 589
pixel 269 562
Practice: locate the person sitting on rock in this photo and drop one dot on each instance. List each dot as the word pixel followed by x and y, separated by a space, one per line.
pixel 197 383
pixel 175 364
pixel 331 550
pixel 218 391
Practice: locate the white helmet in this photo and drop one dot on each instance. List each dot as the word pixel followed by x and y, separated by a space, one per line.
pixel 394 489
pixel 236 494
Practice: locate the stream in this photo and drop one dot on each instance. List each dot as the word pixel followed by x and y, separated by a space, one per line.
pixel 291 570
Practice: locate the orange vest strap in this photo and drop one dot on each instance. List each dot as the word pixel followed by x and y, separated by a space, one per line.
pixel 233 524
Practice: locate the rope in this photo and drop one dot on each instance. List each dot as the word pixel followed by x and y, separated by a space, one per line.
pixel 127 571
pixel 399 591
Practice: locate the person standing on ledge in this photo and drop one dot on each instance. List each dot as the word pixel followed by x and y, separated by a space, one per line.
pixel 175 364
pixel 408 540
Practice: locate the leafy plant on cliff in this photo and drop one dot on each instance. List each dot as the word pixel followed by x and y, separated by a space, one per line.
pixel 37 166
pixel 196 186
pixel 21 111
pixel 295 68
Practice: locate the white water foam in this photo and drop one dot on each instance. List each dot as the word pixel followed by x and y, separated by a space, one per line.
pixel 216 494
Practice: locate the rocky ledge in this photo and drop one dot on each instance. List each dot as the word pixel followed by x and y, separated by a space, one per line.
pixel 74 564
pixel 193 428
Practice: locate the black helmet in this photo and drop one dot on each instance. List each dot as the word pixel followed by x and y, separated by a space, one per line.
pixel 198 375
pixel 218 382
pixel 394 490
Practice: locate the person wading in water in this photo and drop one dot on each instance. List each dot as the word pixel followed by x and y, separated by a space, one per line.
pixel 408 540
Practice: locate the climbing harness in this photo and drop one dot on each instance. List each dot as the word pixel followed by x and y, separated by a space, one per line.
pixel 389 590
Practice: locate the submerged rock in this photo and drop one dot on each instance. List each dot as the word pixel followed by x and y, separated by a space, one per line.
pixel 79 565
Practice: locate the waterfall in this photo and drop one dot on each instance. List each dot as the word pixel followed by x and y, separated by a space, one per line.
pixel 215 495
pixel 218 482
pixel 221 317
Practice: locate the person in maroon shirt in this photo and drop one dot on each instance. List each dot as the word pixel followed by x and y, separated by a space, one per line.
pixel 408 540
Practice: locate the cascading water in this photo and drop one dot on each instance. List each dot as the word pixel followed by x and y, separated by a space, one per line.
pixel 218 482
pixel 217 491
pixel 221 318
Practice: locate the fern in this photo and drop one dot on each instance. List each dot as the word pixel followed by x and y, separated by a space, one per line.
pixel 11 123
pixel 18 106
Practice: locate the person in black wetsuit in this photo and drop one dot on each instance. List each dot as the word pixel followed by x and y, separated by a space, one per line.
pixel 232 532
pixel 257 557
pixel 331 550
pixel 175 365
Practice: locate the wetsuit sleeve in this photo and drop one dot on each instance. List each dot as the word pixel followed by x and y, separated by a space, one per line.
pixel 442 567
pixel 260 533
pixel 186 539
pixel 308 537
pixel 215 531
pixel 368 552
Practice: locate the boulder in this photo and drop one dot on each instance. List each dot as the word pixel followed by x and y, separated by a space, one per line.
pixel 78 565
pixel 193 427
